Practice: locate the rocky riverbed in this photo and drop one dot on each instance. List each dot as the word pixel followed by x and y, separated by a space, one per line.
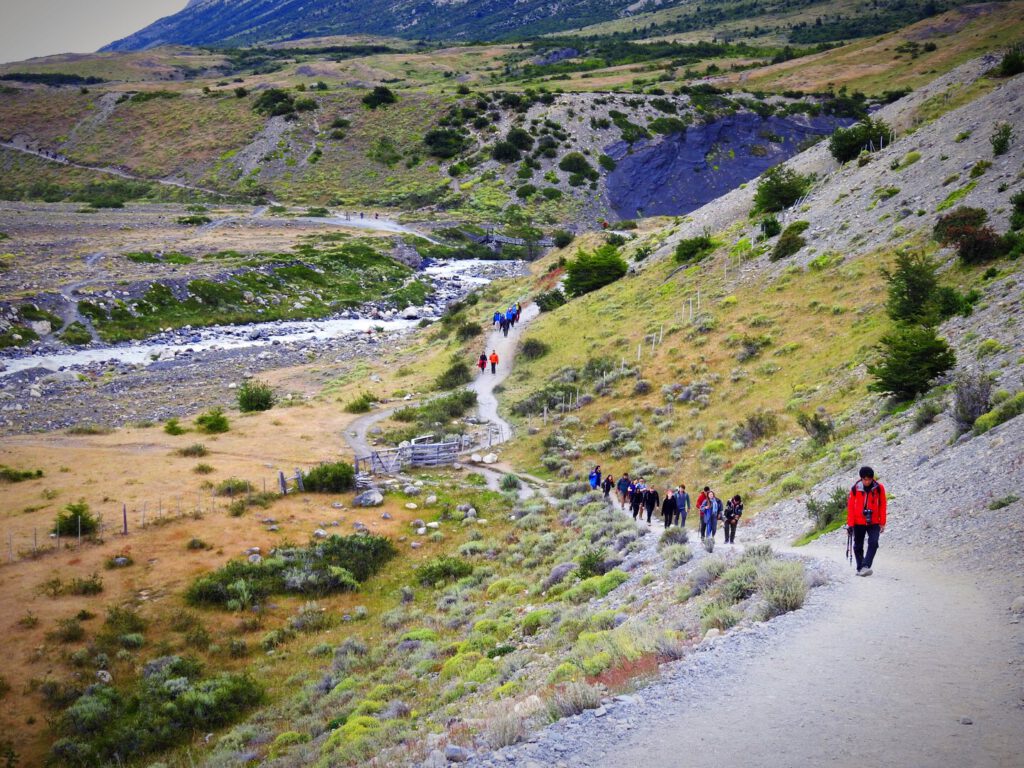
pixel 47 386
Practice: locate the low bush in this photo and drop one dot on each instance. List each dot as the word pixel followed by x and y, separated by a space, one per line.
pixel 783 586
pixel 591 562
pixel 455 375
pixel 570 699
pixel 534 349
pixel 336 477
pixel 550 300
pixel 676 555
pixel 828 512
pixel 255 396
pixel 673 536
pixel 75 518
pixel 173 427
pixel 510 483
pixel 845 144
pixel 92 585
pixel 595 586
pixel 11 475
pixel 361 404
pixel 534 621
pixel 714 615
pixel 1000 139
pixel 233 486
pixel 380 96
pixel 196 450
pixel 67 631
pixel 818 425
pixel 779 188
pixel 334 564
pixel 591 271
pixel 1006 410
pixel 756 427
pixel 740 581
pixel 441 569
pixel 213 422
pixel 562 238
pixel 693 249
pixel 790 241
pixel 972 398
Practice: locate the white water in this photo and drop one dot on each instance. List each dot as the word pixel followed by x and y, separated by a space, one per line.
pixel 237 336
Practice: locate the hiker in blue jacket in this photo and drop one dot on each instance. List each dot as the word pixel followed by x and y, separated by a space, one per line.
pixel 595 478
pixel 623 488
pixel 682 505
pixel 496 319
pixel 710 512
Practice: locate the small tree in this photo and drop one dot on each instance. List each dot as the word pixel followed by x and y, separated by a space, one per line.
pixel 380 96
pixel 912 288
pixel 847 143
pixel 1013 62
pixel 505 152
pixel 818 425
pixel 562 238
pixel 972 397
pixel 455 375
pixel 825 513
pixel 69 518
pixel 590 271
pixel 779 188
pixel 255 396
pixel 912 357
pixel 444 142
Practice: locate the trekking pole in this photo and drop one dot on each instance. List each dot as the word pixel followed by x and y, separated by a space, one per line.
pixel 849 544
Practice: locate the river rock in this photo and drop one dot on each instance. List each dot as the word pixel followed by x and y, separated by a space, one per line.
pixel 476 458
pixel 411 490
pixel 431 499
pixel 491 458
pixel 102 676
pixel 385 516
pixel 433 525
pixel 411 505
pixel 319 533
pixel 41 327
pixel 456 754
pixel 370 498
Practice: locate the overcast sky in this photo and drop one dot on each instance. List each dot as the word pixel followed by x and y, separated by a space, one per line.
pixel 41 27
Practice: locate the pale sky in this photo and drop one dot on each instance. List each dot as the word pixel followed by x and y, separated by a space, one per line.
pixel 31 28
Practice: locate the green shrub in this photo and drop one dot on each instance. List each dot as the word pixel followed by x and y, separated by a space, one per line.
pixel 790 241
pixel 467 331
pixel 1000 139
pixel 770 227
pixel 1012 62
pixel 779 188
pixel 255 396
pixel 534 621
pixel 818 425
pixel 455 375
pixel 847 143
pixel 911 358
pixel 717 616
pixel 173 427
pixel 1003 412
pixel 591 271
pixel 534 349
pixel 783 587
pixel 68 631
pixel 380 96
pixel 444 142
pixel 912 288
pixel 442 569
pixel 11 475
pixel 335 477
pixel 92 585
pixel 996 504
pixel 1017 215
pixel 213 422
pixel 740 581
pixel 361 404
pixel 73 515
pixel 694 249
pixel 334 564
pixel 196 450
pixel 595 586
pixel 510 483
pixel 575 162
pixel 591 562
pixel 550 300
pixel 676 555
pixel 673 536
pixel 76 335
pixel 827 513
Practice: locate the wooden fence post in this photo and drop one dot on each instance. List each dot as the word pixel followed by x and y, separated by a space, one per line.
pixel 283 483
pixel 298 480
pixel 124 517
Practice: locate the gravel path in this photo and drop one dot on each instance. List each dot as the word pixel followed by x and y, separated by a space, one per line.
pixel 485 383
pixel 883 671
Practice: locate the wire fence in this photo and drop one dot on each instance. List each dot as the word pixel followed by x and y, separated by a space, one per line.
pixel 116 521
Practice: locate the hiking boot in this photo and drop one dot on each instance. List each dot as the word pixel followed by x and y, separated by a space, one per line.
pixel 860 571
pixel 866 572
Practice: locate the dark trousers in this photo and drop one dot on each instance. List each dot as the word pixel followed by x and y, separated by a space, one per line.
pixel 711 527
pixel 650 511
pixel 730 531
pixel 494 367
pixel 865 561
pixel 702 526
pixel 636 510
pixel 668 519
pixel 681 519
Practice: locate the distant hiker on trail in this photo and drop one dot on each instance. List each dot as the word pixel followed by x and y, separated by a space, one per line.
pixel 733 513
pixel 865 514
pixel 494 361
pixel 505 323
pixel 668 507
pixel 496 319
pixel 651 501
pixel 519 311
pixel 623 488
pixel 710 513
pixel 482 362
pixel 636 498
pixel 701 499
pixel 606 485
pixel 682 505
pixel 595 477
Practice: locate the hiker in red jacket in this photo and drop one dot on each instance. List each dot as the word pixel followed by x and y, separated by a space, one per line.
pixel 865 514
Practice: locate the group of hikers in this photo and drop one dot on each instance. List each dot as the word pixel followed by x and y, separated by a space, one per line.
pixel 508 318
pixel 865 510
pixel 641 498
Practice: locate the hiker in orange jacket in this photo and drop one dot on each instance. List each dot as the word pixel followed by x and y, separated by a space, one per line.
pixel 865 514
pixel 494 361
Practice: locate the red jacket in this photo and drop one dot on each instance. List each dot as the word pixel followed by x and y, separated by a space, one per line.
pixel 875 502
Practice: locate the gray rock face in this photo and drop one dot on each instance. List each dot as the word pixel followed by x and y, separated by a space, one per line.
pixel 457 754
pixel 370 498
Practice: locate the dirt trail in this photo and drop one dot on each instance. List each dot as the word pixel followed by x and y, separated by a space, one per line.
pixel 882 677
pixel 484 384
